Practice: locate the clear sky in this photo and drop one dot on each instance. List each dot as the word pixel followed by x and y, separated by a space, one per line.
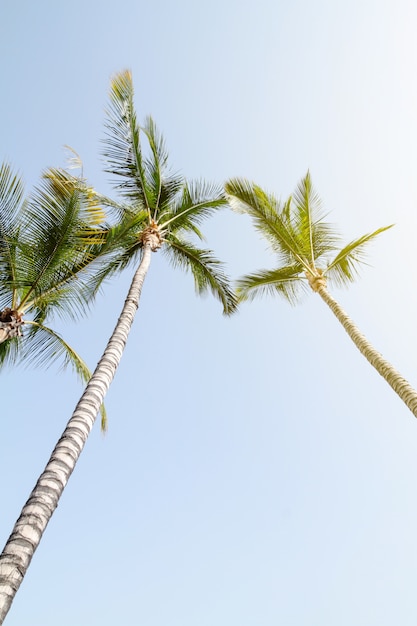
pixel 256 470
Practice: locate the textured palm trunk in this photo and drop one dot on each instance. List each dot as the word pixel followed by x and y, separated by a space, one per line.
pixel 401 387
pixel 38 510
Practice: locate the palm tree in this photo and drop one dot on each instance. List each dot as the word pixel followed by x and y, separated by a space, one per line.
pixel 47 251
pixel 308 257
pixel 158 210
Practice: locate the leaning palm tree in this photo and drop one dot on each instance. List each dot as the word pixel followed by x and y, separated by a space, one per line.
pixel 47 250
pixel 309 255
pixel 158 211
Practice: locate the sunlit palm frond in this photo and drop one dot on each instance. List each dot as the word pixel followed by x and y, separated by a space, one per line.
pixel 207 270
pixel 91 210
pixel 345 266
pixel 316 237
pixel 285 281
pixel 40 346
pixel 58 237
pixel 300 236
pixel 270 218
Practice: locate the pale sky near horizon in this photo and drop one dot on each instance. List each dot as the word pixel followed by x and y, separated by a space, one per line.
pixel 256 470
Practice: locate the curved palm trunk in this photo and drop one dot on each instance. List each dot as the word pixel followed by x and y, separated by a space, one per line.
pixel 401 387
pixel 38 510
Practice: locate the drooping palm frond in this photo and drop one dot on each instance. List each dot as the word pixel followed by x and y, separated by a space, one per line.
pixel 40 346
pixel 344 267
pixel 206 269
pixel 285 281
pixel 43 347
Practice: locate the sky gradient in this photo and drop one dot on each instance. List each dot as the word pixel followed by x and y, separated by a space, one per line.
pixel 256 470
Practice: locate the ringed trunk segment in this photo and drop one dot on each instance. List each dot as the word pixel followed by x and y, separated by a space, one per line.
pixel 11 321
pixel 399 384
pixel 38 510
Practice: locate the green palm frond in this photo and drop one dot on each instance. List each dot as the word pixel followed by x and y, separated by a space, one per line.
pixel 11 203
pixel 270 219
pixel 91 212
pixel 11 199
pixel 121 248
pixel 9 351
pixel 155 164
pixel 285 281
pixel 315 237
pixel 198 200
pixel 344 268
pixel 123 151
pixel 43 347
pixel 207 270
pixel 59 239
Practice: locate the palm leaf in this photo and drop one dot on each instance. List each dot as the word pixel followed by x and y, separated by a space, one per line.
pixel 197 201
pixel 59 240
pixel 344 268
pixel 285 281
pixel 206 269
pixel 121 248
pixel 11 202
pixel 43 347
pixel 315 236
pixel 155 165
pixel 123 151
pixel 270 219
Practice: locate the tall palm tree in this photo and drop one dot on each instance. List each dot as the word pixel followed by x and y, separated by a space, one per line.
pixel 308 256
pixel 158 210
pixel 47 250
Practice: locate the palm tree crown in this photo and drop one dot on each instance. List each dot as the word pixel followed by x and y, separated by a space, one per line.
pixel 306 245
pixel 157 207
pixel 48 246
pixel 309 255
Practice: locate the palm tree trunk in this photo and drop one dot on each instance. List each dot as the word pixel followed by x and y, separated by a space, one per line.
pixel 38 510
pixel 401 387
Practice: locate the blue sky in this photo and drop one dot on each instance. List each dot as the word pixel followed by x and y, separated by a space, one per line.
pixel 256 470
